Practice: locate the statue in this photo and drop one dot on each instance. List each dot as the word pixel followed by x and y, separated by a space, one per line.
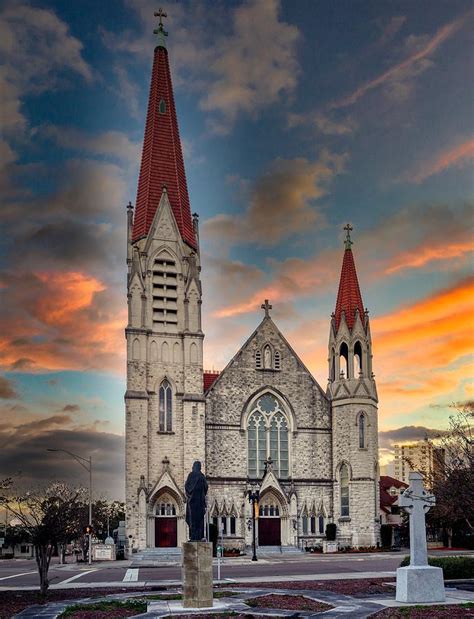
pixel 196 490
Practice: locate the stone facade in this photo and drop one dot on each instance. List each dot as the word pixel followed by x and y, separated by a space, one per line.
pixel 320 448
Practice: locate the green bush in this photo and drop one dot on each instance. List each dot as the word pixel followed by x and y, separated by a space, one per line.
pixel 331 530
pixel 453 567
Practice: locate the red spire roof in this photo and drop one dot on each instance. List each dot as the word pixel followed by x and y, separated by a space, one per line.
pixel 209 379
pixel 162 158
pixel 348 297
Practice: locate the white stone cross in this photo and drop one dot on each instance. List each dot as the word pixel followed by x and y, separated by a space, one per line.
pixel 416 502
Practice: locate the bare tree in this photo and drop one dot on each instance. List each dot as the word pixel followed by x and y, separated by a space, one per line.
pixel 49 518
pixel 453 473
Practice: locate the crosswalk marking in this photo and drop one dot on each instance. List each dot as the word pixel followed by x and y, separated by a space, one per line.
pixel 64 582
pixel 131 575
pixel 16 575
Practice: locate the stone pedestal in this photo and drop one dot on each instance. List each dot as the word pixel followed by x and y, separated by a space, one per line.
pixel 418 584
pixel 197 574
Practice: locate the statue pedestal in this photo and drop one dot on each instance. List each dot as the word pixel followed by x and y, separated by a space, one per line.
pixel 197 574
pixel 418 584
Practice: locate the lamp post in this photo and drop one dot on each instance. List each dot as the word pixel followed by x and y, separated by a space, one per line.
pixel 254 496
pixel 86 463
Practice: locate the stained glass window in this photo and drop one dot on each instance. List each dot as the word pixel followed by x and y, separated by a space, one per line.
pixel 165 407
pixel 344 483
pixel 268 437
pixel 361 431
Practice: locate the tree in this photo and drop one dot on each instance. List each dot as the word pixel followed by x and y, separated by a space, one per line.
pixel 106 517
pixel 49 518
pixel 453 474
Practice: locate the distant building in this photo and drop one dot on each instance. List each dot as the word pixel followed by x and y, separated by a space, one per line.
pixel 423 457
pixel 390 490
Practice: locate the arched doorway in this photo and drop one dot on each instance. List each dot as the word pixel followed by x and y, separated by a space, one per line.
pixel 166 522
pixel 269 522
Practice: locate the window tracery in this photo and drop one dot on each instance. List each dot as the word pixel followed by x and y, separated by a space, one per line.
pixel 267 437
pixel 165 407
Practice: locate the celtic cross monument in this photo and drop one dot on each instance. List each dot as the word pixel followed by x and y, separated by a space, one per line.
pixel 418 582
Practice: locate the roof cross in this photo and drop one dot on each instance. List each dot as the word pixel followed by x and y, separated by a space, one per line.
pixel 160 30
pixel 267 307
pixel 348 228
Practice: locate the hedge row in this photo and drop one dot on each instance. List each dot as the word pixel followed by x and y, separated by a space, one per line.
pixel 453 567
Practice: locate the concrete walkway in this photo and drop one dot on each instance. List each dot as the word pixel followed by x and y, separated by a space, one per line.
pixel 344 605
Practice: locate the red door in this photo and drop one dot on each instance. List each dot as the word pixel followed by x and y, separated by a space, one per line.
pixel 269 532
pixel 166 532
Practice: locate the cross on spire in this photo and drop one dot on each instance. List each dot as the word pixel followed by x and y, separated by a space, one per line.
pixel 160 31
pixel 348 228
pixel 267 307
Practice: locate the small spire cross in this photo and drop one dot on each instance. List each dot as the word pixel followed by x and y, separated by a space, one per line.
pixel 267 307
pixel 160 14
pixel 348 228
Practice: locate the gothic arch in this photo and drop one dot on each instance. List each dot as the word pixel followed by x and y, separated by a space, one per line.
pixel 274 493
pixel 136 349
pixel 176 353
pixel 193 353
pixel 362 422
pixel 155 495
pixel 167 253
pixel 153 351
pixel 165 352
pixel 251 401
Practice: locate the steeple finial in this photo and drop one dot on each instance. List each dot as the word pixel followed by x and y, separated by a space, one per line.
pixel 347 241
pixel 267 307
pixel 160 31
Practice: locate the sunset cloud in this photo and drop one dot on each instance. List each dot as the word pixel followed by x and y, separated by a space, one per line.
pixel 417 237
pixel 417 62
pixel 281 202
pixel 454 157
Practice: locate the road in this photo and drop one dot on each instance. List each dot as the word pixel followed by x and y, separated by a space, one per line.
pixel 23 573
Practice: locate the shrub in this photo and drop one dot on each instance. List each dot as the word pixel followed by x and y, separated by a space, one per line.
pixel 453 567
pixel 331 530
pixel 386 535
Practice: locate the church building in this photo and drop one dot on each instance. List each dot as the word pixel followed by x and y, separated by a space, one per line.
pixel 262 422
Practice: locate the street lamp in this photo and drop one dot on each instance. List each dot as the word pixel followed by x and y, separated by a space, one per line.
pixel 254 496
pixel 86 463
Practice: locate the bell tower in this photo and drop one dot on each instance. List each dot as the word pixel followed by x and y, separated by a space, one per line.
pixel 353 395
pixel 164 402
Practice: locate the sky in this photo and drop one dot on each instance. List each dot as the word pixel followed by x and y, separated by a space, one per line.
pixel 295 118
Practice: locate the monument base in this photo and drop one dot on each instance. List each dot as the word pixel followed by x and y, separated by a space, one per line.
pixel 417 584
pixel 197 575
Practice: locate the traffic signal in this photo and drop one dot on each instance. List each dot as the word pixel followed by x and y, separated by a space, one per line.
pixel 88 529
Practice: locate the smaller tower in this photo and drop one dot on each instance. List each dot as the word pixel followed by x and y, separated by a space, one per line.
pixel 353 396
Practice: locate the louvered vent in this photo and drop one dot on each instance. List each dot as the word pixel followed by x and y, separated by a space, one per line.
pixel 165 293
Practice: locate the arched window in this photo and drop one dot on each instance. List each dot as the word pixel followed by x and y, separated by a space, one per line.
pixel 268 437
pixel 165 406
pixel 162 106
pixel 344 484
pixel 344 361
pixel 362 431
pixel 277 363
pixel 333 364
pixel 358 366
pixel 321 524
pixel 258 360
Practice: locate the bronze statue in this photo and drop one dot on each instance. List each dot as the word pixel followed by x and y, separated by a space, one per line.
pixel 196 490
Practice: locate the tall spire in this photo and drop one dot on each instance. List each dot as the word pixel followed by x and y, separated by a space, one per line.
pixel 162 158
pixel 348 297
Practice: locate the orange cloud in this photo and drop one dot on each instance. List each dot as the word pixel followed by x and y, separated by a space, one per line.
pixel 63 321
pixel 404 69
pixel 424 255
pixel 455 156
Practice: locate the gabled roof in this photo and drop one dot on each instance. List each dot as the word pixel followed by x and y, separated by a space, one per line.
pixel 386 499
pixel 209 378
pixel 284 340
pixel 348 297
pixel 162 158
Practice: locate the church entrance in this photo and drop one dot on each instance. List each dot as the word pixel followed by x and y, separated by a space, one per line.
pixel 269 526
pixel 166 525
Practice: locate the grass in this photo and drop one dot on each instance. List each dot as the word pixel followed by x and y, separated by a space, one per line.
pixel 137 606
